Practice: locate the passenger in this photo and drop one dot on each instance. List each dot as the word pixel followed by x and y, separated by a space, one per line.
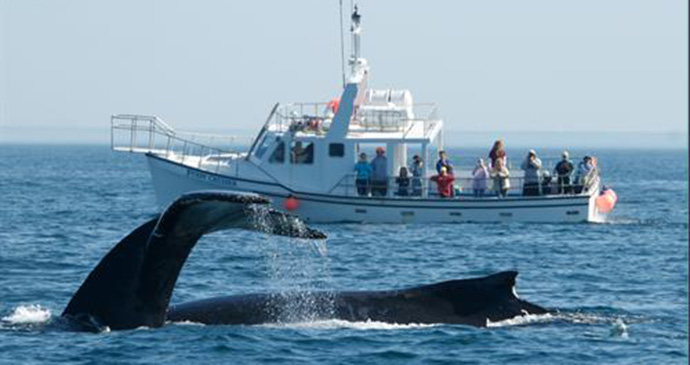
pixel 497 152
pixel 443 162
pixel 362 175
pixel 298 153
pixel 479 176
pixel 546 181
pixel 531 166
pixel 379 176
pixel 444 182
pixel 563 170
pixel 403 181
pixel 501 181
pixel 585 172
pixel 417 169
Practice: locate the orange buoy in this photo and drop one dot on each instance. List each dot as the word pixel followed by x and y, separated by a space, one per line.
pixel 291 203
pixel 606 201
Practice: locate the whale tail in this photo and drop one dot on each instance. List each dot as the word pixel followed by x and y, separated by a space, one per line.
pixel 132 285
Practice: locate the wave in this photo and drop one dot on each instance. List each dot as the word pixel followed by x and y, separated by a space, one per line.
pixel 618 326
pixel 28 314
pixel 342 324
pixel 522 320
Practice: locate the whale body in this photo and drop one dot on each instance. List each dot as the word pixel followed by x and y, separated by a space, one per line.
pixel 132 285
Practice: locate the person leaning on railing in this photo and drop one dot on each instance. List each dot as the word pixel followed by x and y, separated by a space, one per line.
pixel 500 175
pixel 585 174
pixel 564 169
pixel 531 166
pixel 444 182
pixel 362 175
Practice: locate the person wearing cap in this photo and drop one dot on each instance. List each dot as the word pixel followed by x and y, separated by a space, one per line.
pixel 362 175
pixel 531 166
pixel 417 170
pixel 443 162
pixel 379 174
pixel 444 183
pixel 563 170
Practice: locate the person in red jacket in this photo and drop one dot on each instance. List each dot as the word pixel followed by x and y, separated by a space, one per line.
pixel 444 182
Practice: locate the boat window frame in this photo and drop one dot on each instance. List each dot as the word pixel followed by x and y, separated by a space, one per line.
pixel 340 150
pixel 307 152
pixel 278 159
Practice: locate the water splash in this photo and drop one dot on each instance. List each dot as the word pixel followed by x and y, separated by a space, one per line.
pixel 29 314
pixel 298 269
pixel 522 320
pixel 619 329
pixel 330 324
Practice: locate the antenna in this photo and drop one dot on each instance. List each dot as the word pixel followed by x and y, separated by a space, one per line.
pixel 342 44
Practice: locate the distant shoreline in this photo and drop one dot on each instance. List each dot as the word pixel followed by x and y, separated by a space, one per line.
pixel 453 139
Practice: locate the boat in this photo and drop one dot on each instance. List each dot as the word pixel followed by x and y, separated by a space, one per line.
pixel 304 154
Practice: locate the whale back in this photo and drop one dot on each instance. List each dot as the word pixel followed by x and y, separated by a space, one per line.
pixel 469 301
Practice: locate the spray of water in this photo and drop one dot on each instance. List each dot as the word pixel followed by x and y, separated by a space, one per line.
pixel 298 270
pixel 27 314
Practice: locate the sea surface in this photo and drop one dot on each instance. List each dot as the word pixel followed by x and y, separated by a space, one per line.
pixel 619 287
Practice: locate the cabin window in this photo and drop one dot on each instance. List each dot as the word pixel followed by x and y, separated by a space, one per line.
pixel 336 150
pixel 263 146
pixel 302 153
pixel 278 155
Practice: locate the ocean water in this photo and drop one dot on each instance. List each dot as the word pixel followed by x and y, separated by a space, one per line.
pixel 619 287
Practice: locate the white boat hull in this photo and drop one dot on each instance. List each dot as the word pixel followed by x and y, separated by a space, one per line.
pixel 171 179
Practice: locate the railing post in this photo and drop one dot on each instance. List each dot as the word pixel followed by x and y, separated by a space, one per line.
pixel 151 128
pixel 184 151
pixel 133 136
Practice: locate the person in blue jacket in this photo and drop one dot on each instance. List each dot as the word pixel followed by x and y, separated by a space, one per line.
pixel 443 162
pixel 362 175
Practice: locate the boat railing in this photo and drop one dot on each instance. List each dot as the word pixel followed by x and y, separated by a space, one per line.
pixel 301 116
pixel 316 118
pixel 462 188
pixel 150 134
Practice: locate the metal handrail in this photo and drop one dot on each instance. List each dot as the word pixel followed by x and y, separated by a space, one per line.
pixel 291 114
pixel 163 140
pixel 427 188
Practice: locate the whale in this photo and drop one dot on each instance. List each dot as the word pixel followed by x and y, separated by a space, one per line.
pixel 132 285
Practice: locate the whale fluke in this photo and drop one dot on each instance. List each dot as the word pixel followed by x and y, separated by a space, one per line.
pixel 133 283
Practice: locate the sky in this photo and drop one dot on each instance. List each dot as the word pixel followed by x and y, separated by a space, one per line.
pixel 541 72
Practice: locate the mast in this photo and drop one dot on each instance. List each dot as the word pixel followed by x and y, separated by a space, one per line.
pixel 356 31
pixel 342 45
